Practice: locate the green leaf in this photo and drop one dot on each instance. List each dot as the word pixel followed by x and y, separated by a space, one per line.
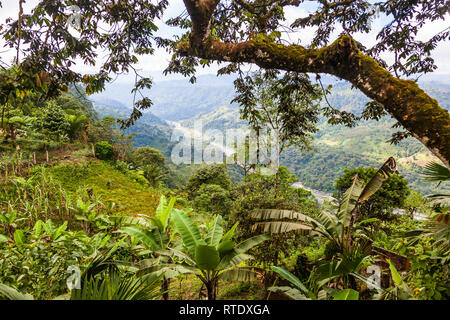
pixel 216 232
pixel 225 246
pixel 247 244
pixel 145 236
pixel 290 292
pixel 394 273
pixel 239 274
pixel 3 238
pixel 59 231
pixel 206 257
pixel 386 170
pixel 38 227
pixel 229 235
pixel 349 200
pixel 168 270
pixel 291 278
pixel 188 231
pixel 163 211
pixel 282 227
pixel 436 172
pixel 347 294
pixel 19 237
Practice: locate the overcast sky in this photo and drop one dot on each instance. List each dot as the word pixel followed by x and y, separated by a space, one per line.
pixel 156 63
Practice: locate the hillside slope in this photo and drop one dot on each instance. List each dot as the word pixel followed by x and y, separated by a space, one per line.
pixel 106 183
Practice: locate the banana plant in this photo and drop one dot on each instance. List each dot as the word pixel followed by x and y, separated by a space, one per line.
pixel 211 257
pixel 338 226
pixel 299 291
pixel 48 229
pixel 155 234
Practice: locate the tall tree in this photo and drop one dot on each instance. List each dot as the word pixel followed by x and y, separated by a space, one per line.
pixel 288 106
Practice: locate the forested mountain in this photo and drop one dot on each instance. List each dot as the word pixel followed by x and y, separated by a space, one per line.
pixel 149 130
pixel 335 147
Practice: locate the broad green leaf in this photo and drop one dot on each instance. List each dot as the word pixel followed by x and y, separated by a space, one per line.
pixel 247 244
pixel 145 236
pixel 175 253
pixel 239 274
pixel 3 238
pixel 19 237
pixel 230 233
pixel 161 206
pixel 232 258
pixel 59 231
pixel 347 294
pixel 277 214
pixel 290 277
pixel 349 200
pixel 225 246
pixel 168 270
pixel 394 273
pixel 386 170
pixel 206 257
pixel 216 232
pixel 37 229
pixel 282 227
pixel 188 231
pixel 293 293
pixel 164 214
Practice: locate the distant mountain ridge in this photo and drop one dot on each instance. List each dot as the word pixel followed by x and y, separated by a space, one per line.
pixel 336 147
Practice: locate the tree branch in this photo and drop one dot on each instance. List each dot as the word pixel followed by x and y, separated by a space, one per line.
pixel 403 99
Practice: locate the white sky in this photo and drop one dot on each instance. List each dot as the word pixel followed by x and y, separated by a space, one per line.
pixel 156 63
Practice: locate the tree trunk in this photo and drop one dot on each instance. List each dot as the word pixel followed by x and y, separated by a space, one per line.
pixel 165 288
pixel 211 289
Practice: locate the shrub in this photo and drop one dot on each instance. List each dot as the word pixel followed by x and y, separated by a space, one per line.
pixel 214 199
pixel 104 151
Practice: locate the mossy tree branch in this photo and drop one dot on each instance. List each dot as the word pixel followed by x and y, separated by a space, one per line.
pixel 417 112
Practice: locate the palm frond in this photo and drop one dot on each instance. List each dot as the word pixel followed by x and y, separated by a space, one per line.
pixel 436 172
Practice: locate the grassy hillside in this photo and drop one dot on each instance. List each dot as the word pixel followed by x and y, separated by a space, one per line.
pixel 109 185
